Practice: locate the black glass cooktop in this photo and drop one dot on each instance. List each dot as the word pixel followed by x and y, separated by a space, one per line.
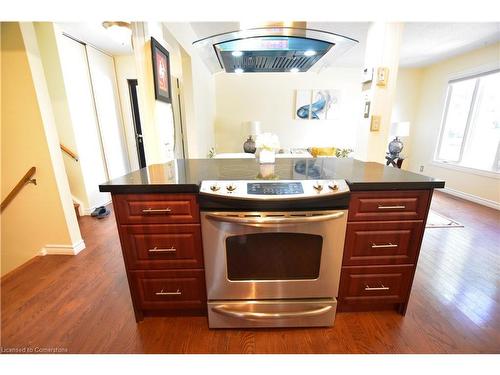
pixel 274 188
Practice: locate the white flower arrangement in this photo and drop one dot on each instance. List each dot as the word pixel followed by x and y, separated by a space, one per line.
pixel 267 141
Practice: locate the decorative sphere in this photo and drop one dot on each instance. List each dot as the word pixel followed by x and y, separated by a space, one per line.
pixel 395 147
pixel 249 146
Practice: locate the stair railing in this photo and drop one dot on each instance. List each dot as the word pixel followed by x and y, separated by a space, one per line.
pixel 70 153
pixel 26 179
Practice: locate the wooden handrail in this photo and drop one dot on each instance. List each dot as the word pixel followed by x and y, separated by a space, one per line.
pixel 23 181
pixel 69 152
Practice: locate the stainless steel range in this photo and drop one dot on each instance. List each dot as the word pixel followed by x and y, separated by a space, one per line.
pixel 273 251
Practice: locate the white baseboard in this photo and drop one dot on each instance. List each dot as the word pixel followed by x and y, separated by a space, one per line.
pixel 472 198
pixel 62 249
pixel 88 211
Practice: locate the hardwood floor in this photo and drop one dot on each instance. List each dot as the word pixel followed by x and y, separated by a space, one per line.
pixel 82 303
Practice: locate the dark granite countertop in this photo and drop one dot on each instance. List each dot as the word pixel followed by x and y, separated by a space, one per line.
pixel 185 175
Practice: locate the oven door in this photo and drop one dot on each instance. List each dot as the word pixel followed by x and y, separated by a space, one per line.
pixel 273 255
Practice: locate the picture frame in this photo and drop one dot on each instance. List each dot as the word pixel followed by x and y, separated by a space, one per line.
pixel 317 104
pixel 161 72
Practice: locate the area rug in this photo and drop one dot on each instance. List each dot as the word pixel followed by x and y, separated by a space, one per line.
pixel 435 220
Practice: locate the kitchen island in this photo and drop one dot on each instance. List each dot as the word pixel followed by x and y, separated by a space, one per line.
pixel 158 216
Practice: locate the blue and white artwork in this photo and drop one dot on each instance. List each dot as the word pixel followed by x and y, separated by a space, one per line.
pixel 317 104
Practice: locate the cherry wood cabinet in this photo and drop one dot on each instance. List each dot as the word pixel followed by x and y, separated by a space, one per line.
pixel 156 208
pixel 166 246
pixel 389 242
pixel 382 244
pixel 377 284
pixel 389 205
pixel 161 243
pixel 172 291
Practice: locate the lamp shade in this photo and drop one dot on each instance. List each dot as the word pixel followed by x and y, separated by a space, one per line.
pixel 400 129
pixel 251 127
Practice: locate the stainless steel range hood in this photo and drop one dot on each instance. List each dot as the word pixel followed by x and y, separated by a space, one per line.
pixel 272 49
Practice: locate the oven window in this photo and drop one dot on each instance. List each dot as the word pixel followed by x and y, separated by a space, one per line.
pixel 273 256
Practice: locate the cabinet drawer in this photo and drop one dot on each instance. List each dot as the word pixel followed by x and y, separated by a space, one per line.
pixel 375 284
pixel 388 205
pixel 162 246
pixel 156 208
pixel 384 242
pixel 170 289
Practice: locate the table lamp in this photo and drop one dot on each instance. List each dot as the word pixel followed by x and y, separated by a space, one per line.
pixel 252 128
pixel 398 129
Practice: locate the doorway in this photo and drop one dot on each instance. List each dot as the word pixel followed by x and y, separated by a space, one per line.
pixel 132 86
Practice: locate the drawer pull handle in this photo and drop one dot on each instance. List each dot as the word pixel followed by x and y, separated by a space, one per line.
pixel 156 250
pixel 402 207
pixel 162 293
pixel 382 287
pixel 158 210
pixel 375 246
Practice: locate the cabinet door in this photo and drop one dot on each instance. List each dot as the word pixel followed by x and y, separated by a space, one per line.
pixel 156 208
pixel 389 205
pixel 384 242
pixel 167 246
pixel 375 284
pixel 173 290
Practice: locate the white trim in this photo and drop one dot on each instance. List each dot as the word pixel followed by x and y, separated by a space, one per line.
pixel 471 72
pixel 88 211
pixel 472 198
pixel 461 168
pixel 62 249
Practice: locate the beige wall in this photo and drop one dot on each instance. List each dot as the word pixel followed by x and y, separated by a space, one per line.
pixel 197 90
pixel 46 38
pixel 156 116
pixel 270 99
pixel 125 70
pixel 425 129
pixel 202 129
pixel 382 50
pixel 39 217
pixel 406 101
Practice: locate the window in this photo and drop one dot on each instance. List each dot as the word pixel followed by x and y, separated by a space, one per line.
pixel 470 133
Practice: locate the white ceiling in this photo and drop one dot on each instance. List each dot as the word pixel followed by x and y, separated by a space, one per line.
pixel 423 43
pixel 427 43
pixel 95 34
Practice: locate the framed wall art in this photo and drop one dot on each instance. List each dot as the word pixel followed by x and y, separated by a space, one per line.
pixel 161 72
pixel 316 104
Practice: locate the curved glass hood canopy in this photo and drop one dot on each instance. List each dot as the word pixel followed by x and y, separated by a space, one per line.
pixel 272 49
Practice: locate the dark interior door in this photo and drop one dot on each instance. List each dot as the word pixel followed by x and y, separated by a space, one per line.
pixel 132 86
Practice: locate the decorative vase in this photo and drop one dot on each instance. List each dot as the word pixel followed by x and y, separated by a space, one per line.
pixel 249 145
pixel 395 147
pixel 266 172
pixel 267 156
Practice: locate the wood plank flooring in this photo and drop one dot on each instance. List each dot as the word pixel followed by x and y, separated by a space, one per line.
pixel 82 303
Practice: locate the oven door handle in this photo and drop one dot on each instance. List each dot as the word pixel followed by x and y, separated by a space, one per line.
pixel 226 310
pixel 249 220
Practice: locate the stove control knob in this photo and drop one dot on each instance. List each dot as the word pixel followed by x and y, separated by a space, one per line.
pixel 333 186
pixel 230 188
pixel 318 187
pixel 214 187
